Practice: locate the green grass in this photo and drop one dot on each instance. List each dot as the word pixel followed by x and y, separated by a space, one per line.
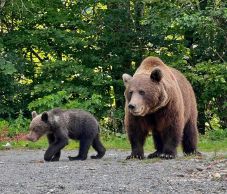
pixel 207 143
pixel 213 145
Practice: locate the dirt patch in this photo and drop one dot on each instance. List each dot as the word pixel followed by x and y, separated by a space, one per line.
pixel 4 136
pixel 24 171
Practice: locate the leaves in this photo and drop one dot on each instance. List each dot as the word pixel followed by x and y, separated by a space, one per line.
pixel 7 67
pixel 72 54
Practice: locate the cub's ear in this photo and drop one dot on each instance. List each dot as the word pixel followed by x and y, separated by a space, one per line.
pixel 156 75
pixel 34 114
pixel 126 78
pixel 44 117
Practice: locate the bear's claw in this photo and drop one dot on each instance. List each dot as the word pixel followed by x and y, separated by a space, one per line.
pixel 158 154
pixel 167 156
pixel 154 155
pixel 195 153
pixel 137 156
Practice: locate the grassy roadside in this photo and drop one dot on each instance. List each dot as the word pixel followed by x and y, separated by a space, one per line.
pixel 207 143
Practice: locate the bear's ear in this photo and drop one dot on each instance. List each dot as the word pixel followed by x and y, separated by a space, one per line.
pixel 44 117
pixel 126 78
pixel 156 75
pixel 34 114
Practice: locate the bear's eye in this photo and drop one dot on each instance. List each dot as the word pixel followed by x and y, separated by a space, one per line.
pixel 141 92
pixel 36 129
pixel 130 93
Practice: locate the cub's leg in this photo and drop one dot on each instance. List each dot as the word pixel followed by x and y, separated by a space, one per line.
pixel 51 140
pixel 54 150
pixel 97 145
pixel 85 144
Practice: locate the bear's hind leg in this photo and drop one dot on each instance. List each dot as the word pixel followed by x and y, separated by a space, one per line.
pixel 97 145
pixel 190 135
pixel 85 144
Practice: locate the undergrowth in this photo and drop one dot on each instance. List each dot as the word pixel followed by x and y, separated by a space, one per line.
pixel 213 140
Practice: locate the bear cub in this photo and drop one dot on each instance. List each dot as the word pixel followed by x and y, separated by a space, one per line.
pixel 60 125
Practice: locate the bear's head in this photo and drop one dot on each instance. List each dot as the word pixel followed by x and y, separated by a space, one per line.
pixel 39 126
pixel 145 93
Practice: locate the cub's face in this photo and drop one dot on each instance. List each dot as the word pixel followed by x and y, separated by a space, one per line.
pixel 144 94
pixel 38 127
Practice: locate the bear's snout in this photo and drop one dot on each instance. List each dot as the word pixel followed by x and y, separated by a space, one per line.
pixel 131 106
pixel 136 110
pixel 31 137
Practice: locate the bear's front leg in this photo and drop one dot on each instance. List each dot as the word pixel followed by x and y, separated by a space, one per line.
pixel 171 139
pixel 54 150
pixel 158 143
pixel 51 139
pixel 56 157
pixel 137 142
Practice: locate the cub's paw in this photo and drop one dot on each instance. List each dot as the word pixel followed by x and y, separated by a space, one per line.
pixel 76 158
pixel 156 154
pixel 47 158
pixel 98 156
pixel 95 157
pixel 55 159
pixel 135 156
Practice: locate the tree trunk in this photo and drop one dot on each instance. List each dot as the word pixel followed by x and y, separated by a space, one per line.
pixel 201 120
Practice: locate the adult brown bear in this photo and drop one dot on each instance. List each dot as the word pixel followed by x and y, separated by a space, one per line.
pixel 161 100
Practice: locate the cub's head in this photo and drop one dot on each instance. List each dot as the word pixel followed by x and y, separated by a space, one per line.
pixel 145 93
pixel 39 126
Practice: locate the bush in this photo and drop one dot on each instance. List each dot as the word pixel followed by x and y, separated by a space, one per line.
pixel 218 134
pixel 20 125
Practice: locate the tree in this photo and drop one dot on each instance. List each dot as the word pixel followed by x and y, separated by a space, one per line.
pixel 72 53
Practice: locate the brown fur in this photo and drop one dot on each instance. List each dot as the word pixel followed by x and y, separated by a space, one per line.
pixel 161 100
pixel 60 125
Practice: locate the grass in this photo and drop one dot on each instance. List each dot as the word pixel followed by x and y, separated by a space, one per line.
pixel 206 143
pixel 213 141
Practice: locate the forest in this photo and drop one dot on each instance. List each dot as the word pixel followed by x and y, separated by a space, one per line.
pixel 72 54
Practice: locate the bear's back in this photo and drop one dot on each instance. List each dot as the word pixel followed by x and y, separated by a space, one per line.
pixel 72 118
pixel 148 64
pixel 187 92
pixel 151 63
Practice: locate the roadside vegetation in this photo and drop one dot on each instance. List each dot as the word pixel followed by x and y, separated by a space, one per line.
pixel 212 141
pixel 72 54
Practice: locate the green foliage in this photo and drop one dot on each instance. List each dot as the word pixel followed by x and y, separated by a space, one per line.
pixel 48 102
pixel 213 140
pixel 217 135
pixel 4 125
pixel 72 54
pixel 7 68
pixel 210 80
pixel 19 125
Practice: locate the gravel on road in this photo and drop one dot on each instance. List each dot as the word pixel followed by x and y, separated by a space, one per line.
pixel 24 171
